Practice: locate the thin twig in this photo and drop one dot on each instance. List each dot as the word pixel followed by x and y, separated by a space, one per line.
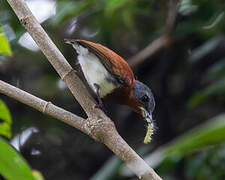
pixel 171 17
pixel 162 42
pixel 151 49
pixel 100 126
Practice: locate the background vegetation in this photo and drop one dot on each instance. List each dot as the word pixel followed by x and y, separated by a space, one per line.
pixel 186 74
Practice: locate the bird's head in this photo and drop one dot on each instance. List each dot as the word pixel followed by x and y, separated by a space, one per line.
pixel 145 99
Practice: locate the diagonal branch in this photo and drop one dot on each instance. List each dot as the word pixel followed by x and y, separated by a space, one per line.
pixel 109 136
pixel 98 125
pixel 53 54
pixel 162 42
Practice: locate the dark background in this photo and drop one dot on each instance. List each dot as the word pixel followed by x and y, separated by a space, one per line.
pixel 186 75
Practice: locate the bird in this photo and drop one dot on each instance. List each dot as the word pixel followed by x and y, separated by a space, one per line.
pixel 111 78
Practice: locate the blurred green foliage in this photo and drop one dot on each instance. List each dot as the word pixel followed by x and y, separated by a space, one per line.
pixel 12 165
pixel 110 170
pixel 5 120
pixel 214 76
pixel 4 45
pixel 37 175
pixel 206 164
pixel 187 78
pixel 208 135
pixel 67 9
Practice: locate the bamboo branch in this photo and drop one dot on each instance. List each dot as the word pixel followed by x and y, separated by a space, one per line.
pixel 98 125
pixel 44 106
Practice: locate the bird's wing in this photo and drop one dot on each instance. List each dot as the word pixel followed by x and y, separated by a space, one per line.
pixel 115 64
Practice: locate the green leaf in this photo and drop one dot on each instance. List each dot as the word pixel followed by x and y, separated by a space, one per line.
pixel 5 120
pixel 4 45
pixel 215 89
pixel 215 71
pixel 196 99
pixel 208 134
pixel 12 165
pixel 109 170
pixel 205 49
pixel 215 21
pixel 186 7
pixel 37 175
pixel 113 5
pixel 206 164
pixel 70 9
pixel 127 16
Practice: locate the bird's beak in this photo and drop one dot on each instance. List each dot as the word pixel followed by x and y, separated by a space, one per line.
pixel 69 41
pixel 147 115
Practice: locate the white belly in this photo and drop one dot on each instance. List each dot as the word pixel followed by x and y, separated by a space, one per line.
pixel 94 71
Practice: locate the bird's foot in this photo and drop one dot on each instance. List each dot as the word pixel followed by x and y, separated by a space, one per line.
pixel 100 104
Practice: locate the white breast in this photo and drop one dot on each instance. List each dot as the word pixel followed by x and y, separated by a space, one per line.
pixel 94 71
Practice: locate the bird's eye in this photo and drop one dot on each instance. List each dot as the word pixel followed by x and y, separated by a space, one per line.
pixel 145 98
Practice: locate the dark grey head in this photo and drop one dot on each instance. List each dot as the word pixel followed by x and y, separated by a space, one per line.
pixel 145 97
